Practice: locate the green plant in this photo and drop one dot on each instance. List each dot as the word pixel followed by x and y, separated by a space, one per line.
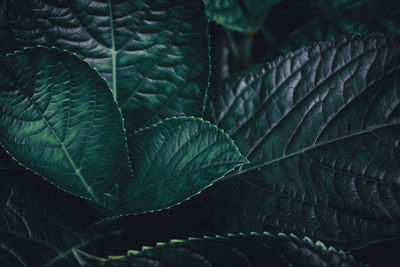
pixel 115 102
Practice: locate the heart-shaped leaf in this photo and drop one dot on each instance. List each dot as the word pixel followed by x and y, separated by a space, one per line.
pixel 58 119
pixel 153 53
pixel 320 128
pixel 232 250
pixel 174 160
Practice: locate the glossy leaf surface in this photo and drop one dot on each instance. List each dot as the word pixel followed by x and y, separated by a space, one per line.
pixel 153 53
pixel 39 225
pixel 232 250
pixel 238 15
pixel 320 128
pixel 176 159
pixel 58 119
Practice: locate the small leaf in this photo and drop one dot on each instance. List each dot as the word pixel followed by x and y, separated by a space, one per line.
pixel 58 119
pixel 39 225
pixel 174 160
pixel 153 53
pixel 320 128
pixel 238 15
pixel 232 250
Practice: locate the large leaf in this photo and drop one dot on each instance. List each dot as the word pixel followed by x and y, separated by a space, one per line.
pixel 320 127
pixel 380 16
pixel 232 250
pixel 174 160
pixel 239 15
pixel 39 225
pixel 153 53
pixel 58 119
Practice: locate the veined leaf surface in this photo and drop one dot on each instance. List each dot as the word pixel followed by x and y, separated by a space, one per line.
pixel 153 53
pixel 58 119
pixel 320 128
pixel 232 250
pixel 174 160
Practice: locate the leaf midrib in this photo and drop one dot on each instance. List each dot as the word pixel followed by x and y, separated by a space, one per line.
pixel 67 154
pixel 285 156
pixel 113 52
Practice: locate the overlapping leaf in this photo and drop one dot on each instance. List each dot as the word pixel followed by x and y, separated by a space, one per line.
pixel 243 16
pixel 174 160
pixel 320 128
pixel 232 250
pixel 40 225
pixel 58 119
pixel 153 53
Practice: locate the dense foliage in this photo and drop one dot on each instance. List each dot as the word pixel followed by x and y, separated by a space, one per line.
pixel 219 133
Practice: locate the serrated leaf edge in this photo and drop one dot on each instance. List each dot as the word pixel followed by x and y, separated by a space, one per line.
pixel 96 72
pixel 320 246
pixel 193 118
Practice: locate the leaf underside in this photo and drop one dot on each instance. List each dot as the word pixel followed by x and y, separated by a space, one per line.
pixel 174 160
pixel 320 128
pixel 232 250
pixel 153 53
pixel 58 119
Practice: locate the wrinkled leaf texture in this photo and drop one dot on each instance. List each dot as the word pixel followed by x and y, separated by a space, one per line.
pixel 153 53
pixel 320 128
pixel 59 120
pixel 174 160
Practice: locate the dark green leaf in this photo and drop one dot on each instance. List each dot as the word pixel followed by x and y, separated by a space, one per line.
pixel 153 53
pixel 380 16
pixel 232 250
pixel 320 128
pixel 39 225
pixel 58 119
pixel 316 7
pixel 239 15
pixel 174 160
